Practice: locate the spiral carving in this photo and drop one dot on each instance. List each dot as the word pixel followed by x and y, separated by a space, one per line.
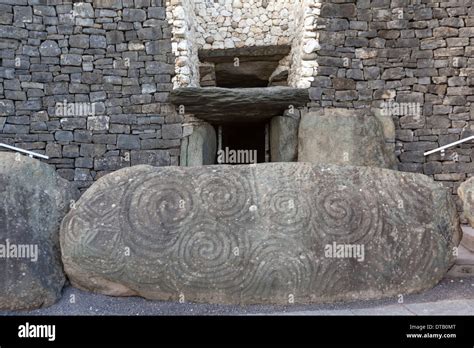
pixel 256 234
pixel 210 255
pixel 288 210
pixel 157 209
pixel 346 215
pixel 278 267
pixel 225 196
pixel 76 225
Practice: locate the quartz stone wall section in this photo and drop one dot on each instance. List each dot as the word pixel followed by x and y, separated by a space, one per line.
pixel 112 54
pixel 182 21
pixel 405 54
pixel 227 24
pixel 237 23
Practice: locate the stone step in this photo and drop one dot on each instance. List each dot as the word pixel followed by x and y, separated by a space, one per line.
pixel 468 237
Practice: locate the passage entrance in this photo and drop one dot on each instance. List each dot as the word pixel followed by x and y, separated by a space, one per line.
pixel 242 143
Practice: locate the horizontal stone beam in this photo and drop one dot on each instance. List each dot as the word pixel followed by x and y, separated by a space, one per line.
pixel 223 105
pixel 275 52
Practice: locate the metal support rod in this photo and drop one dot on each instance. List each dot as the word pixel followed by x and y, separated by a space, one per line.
pixel 442 148
pixel 29 153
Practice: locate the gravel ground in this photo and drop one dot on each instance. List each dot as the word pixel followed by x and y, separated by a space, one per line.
pixel 451 296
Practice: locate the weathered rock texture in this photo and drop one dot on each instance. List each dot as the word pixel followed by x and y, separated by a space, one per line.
pixel 33 201
pixel 257 233
pixel 466 193
pixel 344 136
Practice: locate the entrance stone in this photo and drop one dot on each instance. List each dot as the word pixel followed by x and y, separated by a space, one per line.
pixel 265 233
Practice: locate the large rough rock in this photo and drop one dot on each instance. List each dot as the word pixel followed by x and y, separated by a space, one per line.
pixel 260 233
pixel 466 193
pixel 344 136
pixel 33 201
pixel 214 104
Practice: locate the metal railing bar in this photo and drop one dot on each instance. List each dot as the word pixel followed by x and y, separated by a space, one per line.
pixel 29 153
pixel 442 148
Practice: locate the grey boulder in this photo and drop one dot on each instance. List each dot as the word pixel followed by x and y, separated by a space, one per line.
pixel 345 137
pixel 268 233
pixel 33 201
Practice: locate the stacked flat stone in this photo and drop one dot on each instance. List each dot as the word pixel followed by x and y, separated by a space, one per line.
pixel 113 53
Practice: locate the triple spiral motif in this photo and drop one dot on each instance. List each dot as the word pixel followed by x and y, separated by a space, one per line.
pixel 229 232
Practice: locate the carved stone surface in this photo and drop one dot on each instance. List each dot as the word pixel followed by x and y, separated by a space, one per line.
pixel 260 233
pixel 33 201
pixel 344 136
pixel 216 104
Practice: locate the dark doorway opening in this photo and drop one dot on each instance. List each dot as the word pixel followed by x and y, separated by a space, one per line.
pixel 245 75
pixel 242 143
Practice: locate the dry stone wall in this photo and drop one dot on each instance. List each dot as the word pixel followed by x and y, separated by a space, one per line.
pixel 87 83
pixel 412 60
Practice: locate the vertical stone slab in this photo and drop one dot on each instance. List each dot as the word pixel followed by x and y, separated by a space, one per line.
pixel 284 138
pixel 200 147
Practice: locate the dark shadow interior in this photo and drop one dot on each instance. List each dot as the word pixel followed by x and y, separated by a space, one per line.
pixel 245 75
pixel 243 136
pixel 242 67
